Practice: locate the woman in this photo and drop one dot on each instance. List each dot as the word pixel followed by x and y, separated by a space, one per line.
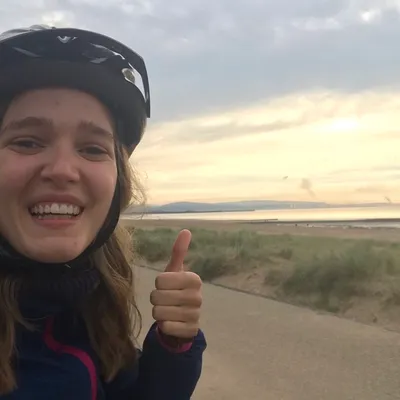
pixel 71 115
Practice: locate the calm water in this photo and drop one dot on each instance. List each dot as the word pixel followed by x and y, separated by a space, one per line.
pixel 315 215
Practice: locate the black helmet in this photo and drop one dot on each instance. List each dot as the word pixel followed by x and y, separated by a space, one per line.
pixel 44 56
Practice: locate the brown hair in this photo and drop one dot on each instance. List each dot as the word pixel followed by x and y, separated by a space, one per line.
pixel 111 308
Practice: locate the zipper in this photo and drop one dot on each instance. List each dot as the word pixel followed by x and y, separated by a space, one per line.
pixel 81 355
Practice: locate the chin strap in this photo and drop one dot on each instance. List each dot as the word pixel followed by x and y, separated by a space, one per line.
pixel 105 232
pixel 15 263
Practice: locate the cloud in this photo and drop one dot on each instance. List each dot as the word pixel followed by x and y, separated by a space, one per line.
pixel 368 189
pixel 204 57
pixel 330 145
pixel 246 92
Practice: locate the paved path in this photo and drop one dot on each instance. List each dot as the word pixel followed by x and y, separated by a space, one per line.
pixel 260 349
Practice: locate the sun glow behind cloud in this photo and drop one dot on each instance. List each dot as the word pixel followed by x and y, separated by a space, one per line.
pixel 314 60
pixel 346 145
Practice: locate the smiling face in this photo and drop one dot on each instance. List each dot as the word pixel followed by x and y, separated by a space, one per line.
pixel 57 173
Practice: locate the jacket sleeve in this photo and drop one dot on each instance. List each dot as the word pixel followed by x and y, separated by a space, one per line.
pixel 160 373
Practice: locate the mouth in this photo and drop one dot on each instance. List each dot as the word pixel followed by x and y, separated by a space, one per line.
pixel 56 211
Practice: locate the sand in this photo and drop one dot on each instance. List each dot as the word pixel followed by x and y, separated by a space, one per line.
pixel 259 349
pixel 386 234
pixel 365 310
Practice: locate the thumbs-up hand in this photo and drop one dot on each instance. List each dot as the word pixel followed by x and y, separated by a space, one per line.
pixel 177 298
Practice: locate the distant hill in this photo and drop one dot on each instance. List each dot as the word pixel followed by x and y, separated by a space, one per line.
pixel 250 205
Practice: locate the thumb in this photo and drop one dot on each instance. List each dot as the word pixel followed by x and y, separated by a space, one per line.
pixel 179 251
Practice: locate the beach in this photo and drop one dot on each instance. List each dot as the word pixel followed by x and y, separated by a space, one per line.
pixel 349 271
pixel 261 349
pixel 311 228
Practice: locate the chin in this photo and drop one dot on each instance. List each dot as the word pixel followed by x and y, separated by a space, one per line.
pixel 53 258
pixel 54 254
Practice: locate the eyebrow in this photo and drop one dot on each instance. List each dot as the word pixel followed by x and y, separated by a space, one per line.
pixel 28 122
pixel 42 122
pixel 91 127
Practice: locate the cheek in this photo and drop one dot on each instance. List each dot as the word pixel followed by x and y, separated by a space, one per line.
pixel 103 182
pixel 13 181
pixel 14 177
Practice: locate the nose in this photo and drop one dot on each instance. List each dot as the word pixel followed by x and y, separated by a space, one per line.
pixel 60 166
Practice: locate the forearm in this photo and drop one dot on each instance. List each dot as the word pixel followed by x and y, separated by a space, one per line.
pixel 166 374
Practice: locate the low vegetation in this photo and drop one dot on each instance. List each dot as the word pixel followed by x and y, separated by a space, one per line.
pixel 320 272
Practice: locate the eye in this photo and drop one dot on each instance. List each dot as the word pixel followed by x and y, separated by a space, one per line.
pixel 26 144
pixel 95 152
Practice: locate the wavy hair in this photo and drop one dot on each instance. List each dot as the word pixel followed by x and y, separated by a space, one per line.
pixel 110 308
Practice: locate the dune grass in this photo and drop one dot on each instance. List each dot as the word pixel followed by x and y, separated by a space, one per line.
pixel 321 272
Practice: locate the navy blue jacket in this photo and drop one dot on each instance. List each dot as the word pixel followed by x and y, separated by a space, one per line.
pixel 57 363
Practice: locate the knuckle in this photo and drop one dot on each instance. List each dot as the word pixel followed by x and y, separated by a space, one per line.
pixel 157 283
pixel 194 330
pixel 154 297
pixel 154 312
pixel 199 300
pixel 190 315
pixel 167 327
pixel 193 315
pixel 194 278
pixel 160 281
pixel 161 326
pixel 157 313
pixel 192 298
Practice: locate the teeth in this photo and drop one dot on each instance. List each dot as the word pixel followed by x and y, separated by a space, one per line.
pixel 56 208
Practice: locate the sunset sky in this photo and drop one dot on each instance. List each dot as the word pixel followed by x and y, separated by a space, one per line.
pixel 257 99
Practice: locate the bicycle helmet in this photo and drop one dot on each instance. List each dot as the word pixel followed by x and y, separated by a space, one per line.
pixel 44 56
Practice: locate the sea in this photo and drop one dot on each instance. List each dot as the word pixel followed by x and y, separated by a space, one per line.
pixel 377 216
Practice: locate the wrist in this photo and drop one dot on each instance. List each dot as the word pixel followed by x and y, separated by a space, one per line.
pixel 173 343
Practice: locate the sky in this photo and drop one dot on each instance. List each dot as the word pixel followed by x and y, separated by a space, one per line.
pixel 256 99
